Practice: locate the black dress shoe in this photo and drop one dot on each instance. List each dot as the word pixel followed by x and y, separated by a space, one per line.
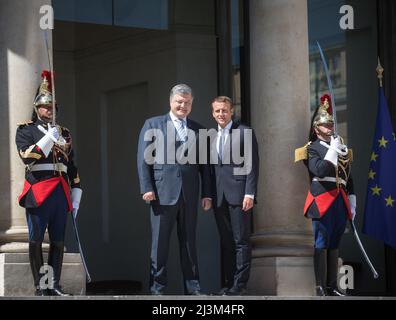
pixel 222 292
pixel 41 292
pixel 334 292
pixel 196 293
pixel 57 291
pixel 235 291
pixel 156 293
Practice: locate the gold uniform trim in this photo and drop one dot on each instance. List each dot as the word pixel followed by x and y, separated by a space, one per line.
pixel 350 155
pixel 27 154
pixel 61 151
pixel 24 123
pixel 301 153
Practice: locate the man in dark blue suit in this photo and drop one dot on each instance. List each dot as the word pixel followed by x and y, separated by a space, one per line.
pixel 234 195
pixel 169 174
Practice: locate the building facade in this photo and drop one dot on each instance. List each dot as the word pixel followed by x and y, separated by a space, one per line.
pixel 115 63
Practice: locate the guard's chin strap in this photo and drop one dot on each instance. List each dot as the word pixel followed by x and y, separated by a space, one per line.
pixel 44 120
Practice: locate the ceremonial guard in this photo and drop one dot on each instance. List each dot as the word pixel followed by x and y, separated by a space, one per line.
pixel 331 200
pixel 51 188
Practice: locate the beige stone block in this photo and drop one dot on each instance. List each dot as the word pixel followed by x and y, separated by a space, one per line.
pixel 16 278
pixel 282 276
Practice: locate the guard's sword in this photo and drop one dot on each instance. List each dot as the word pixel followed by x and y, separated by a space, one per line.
pixel 61 140
pixel 344 150
pixel 80 248
pixel 51 66
pixel 375 273
pixel 330 85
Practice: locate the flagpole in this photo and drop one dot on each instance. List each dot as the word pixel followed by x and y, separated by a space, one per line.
pixel 380 71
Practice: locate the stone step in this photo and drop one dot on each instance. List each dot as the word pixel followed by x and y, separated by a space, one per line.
pixel 16 277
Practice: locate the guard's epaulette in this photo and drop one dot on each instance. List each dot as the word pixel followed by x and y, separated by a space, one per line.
pixel 301 153
pixel 22 124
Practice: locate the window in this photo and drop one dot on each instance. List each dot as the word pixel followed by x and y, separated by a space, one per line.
pixel 148 14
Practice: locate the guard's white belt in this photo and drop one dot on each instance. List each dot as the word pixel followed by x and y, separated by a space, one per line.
pixel 331 179
pixel 49 167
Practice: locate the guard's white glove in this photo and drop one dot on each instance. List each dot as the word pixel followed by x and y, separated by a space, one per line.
pixel 352 204
pixel 336 142
pixel 53 131
pixel 332 155
pixel 75 199
pixel 47 142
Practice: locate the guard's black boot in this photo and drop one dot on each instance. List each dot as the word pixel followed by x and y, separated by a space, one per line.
pixel 57 291
pixel 55 260
pixel 36 262
pixel 320 267
pixel 41 292
pixel 332 275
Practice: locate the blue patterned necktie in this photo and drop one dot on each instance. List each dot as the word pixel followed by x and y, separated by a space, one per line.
pixel 181 130
pixel 221 144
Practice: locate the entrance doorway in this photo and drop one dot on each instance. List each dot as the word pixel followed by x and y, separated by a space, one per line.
pixel 111 77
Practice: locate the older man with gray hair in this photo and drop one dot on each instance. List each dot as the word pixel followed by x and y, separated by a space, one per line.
pixel 171 186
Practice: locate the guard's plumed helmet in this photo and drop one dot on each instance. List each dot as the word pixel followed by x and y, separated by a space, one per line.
pixel 325 112
pixel 44 92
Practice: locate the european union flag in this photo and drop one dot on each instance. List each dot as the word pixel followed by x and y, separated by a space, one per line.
pixel 380 209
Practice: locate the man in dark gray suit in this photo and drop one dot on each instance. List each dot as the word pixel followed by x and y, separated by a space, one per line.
pixel 169 173
pixel 236 188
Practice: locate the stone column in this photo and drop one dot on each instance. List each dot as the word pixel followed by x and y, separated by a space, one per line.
pixel 282 240
pixel 23 56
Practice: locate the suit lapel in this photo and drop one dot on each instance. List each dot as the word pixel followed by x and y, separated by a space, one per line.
pixel 167 119
pixel 190 125
pixel 234 125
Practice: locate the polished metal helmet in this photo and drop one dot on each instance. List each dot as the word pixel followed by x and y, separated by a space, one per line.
pixel 44 92
pixel 325 112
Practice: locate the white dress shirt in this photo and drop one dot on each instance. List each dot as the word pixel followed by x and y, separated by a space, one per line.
pixel 175 121
pixel 226 133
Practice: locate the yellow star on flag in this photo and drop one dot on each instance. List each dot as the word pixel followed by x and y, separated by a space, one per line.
pixel 374 156
pixel 376 190
pixel 389 201
pixel 371 174
pixel 382 142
